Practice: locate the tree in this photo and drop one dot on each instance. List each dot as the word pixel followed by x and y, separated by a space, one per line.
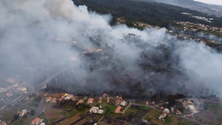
pixel 16 116
pixel 32 112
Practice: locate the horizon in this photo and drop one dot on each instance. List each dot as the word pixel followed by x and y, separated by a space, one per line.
pixel 215 2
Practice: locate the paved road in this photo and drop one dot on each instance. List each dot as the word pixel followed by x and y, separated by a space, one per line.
pixel 19 104
pixel 39 110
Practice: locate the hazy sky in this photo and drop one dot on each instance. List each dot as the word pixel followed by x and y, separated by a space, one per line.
pixel 218 2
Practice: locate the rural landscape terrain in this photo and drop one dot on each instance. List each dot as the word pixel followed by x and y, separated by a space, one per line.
pixel 109 62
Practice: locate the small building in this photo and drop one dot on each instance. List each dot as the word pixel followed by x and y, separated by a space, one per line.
pixel 117 102
pixel 68 97
pixel 9 94
pixel 166 110
pixel 80 101
pixel 11 80
pixel 162 116
pixel 22 113
pixel 178 112
pixel 45 94
pixel 192 109
pixel 48 99
pixel 36 121
pixel 123 103
pixel 104 95
pixel 94 109
pixel 118 109
pixel 74 98
pixel 100 101
pixel 107 100
pixel 189 102
pixel 23 89
pixel 90 100
pixel 54 100
pixel 3 123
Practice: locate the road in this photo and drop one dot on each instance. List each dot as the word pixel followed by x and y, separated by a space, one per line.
pixel 39 110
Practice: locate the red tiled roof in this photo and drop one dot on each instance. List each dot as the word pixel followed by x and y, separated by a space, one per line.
pixel 118 109
pixel 90 100
pixel 107 100
pixel 3 123
pixel 189 102
pixel 80 101
pixel 118 102
pixel 147 103
pixel 36 120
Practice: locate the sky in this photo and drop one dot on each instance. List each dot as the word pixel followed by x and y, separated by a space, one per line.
pixel 217 2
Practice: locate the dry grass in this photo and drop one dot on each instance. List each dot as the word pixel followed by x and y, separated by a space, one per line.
pixel 53 113
pixel 82 121
pixel 71 120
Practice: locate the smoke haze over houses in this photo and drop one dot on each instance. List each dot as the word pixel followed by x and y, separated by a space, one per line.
pixel 37 31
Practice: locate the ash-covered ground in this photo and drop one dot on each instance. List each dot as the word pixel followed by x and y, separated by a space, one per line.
pixel 114 59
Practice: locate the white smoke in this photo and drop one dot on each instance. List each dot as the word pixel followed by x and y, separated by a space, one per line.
pixel 27 27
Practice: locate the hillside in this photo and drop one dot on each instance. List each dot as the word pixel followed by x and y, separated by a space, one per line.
pixel 147 12
pixel 193 5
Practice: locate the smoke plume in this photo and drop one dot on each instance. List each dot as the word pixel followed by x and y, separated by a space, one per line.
pixel 38 34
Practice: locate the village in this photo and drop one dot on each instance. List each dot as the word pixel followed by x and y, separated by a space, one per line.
pixel 69 109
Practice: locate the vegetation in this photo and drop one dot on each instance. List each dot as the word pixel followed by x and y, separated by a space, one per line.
pixel 42 116
pixel 82 107
pixel 148 12
pixel 144 108
pixel 130 111
pixel 32 112
pixel 111 108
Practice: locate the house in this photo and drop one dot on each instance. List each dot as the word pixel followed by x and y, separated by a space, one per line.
pixel 192 109
pixel 11 80
pixel 189 102
pixel 178 112
pixel 107 100
pixel 118 109
pixel 9 94
pixel 68 97
pixel 3 123
pixel 36 121
pixel 123 103
pixel 104 95
pixel 90 100
pixel 117 102
pixel 54 100
pixel 45 94
pixel 42 123
pixel 80 101
pixel 96 110
pixel 74 98
pixel 162 116
pixel 48 99
pixel 22 113
pixel 100 101
pixel 166 110
pixel 23 89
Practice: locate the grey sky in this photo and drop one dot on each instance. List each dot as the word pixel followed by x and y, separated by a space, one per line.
pixel 217 2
